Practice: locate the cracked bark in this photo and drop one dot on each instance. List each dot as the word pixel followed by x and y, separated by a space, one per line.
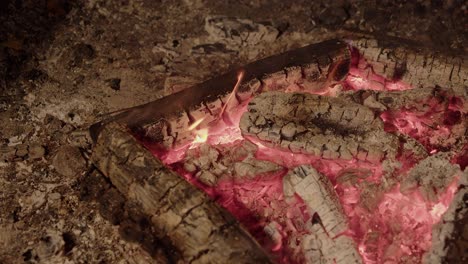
pixel 414 65
pixel 323 126
pixel 326 242
pixel 195 225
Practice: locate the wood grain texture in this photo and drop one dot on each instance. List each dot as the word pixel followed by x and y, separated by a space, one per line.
pixel 193 223
pixel 325 242
pixel 328 127
pixel 415 65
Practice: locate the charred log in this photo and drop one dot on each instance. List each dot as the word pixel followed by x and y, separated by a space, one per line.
pixel 311 67
pixel 415 66
pixel 318 193
pixel 325 243
pixel 180 213
pixel 322 126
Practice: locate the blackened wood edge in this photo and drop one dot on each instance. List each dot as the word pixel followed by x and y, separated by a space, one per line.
pixel 212 89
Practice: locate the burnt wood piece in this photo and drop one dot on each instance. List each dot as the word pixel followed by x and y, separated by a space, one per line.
pixel 450 235
pixel 314 65
pixel 230 161
pixel 180 213
pixel 414 64
pixel 325 243
pixel 318 194
pixel 323 126
pixel 431 176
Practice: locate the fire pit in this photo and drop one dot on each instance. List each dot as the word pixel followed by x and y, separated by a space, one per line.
pixel 338 152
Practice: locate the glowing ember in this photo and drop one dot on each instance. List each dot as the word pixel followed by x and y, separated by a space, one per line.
pixel 432 125
pixel 386 224
pixel 362 77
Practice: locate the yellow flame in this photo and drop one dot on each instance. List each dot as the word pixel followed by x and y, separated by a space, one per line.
pixel 195 124
pixel 240 76
pixel 201 136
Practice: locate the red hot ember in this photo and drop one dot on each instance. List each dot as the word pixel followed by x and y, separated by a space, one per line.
pixel 356 170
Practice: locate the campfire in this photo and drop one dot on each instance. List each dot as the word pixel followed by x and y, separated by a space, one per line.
pixel 338 152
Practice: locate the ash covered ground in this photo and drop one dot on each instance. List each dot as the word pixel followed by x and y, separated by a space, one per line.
pixel 65 64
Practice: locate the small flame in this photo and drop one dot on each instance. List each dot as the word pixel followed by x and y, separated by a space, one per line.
pixel 195 124
pixel 201 136
pixel 240 76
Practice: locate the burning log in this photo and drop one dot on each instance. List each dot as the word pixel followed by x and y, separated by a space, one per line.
pixel 325 243
pixel 310 68
pixel 423 121
pixel 324 126
pixel 194 224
